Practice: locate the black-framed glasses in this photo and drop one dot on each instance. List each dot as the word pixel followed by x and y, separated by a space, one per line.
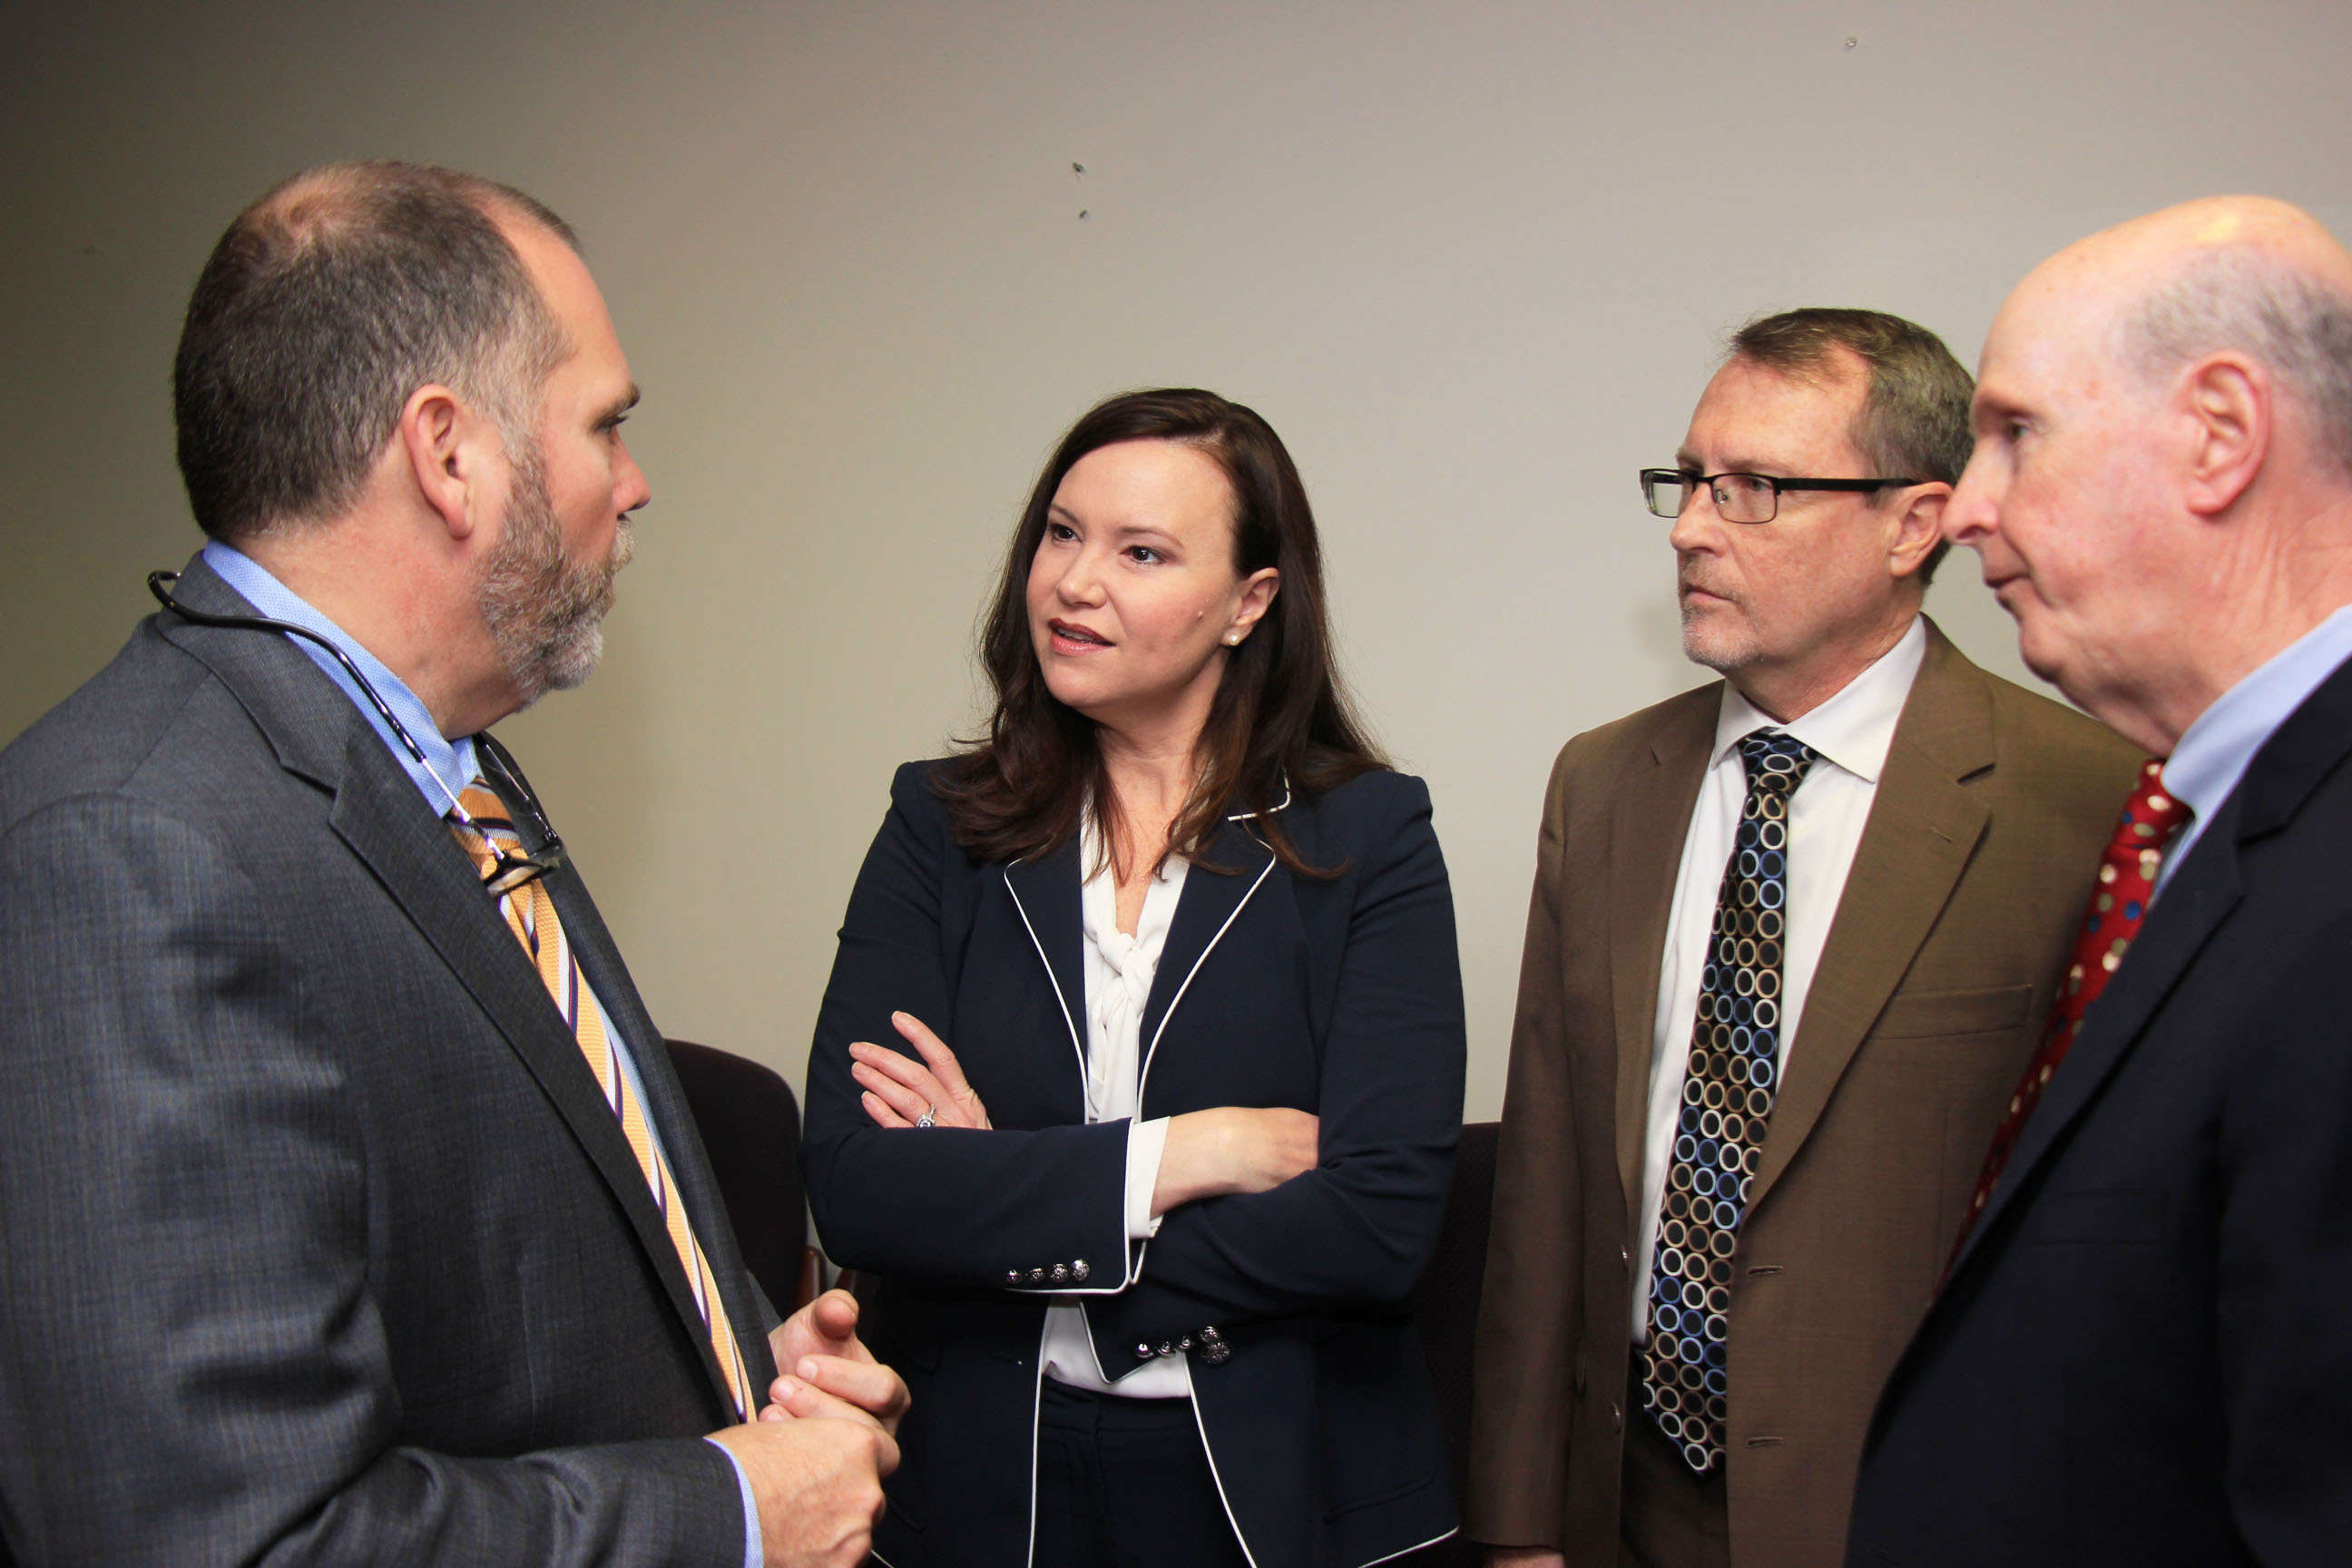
pixel 1739 498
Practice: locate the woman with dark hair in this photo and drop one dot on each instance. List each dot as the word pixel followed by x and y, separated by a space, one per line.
pixel 1139 1076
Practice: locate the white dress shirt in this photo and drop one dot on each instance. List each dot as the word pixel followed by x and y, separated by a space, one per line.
pixel 1851 732
pixel 1120 969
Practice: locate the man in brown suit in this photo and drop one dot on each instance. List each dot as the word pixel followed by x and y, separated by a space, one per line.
pixel 1790 938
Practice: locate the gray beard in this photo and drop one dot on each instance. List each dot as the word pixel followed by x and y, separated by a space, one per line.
pixel 545 611
pixel 1720 655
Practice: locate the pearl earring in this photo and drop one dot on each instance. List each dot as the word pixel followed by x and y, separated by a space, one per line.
pixel 1233 640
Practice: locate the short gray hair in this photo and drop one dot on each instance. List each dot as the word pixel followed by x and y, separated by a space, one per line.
pixel 329 301
pixel 2293 324
pixel 1914 413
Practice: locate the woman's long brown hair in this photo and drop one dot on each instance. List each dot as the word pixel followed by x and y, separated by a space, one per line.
pixel 1280 720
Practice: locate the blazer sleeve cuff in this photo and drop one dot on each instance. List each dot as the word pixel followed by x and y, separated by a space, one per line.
pixel 754 1546
pixel 1146 1142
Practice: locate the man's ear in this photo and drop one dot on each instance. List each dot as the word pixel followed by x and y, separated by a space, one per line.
pixel 2228 402
pixel 1918 528
pixel 443 441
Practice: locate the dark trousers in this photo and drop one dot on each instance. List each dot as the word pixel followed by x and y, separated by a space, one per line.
pixel 1667 1517
pixel 1125 1483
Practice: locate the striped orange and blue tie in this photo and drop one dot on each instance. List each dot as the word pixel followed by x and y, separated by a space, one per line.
pixel 530 915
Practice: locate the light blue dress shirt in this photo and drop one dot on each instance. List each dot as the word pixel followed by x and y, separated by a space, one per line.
pixel 448 766
pixel 2215 749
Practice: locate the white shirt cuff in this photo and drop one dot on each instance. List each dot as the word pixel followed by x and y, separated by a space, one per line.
pixel 754 1553
pixel 1146 1142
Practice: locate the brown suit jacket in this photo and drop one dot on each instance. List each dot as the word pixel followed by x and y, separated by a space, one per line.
pixel 1938 972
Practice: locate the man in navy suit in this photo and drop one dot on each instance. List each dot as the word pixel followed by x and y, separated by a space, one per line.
pixel 2137 1355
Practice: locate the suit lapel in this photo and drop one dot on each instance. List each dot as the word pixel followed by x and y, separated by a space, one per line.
pixel 386 823
pixel 1924 825
pixel 1211 902
pixel 1046 892
pixel 379 814
pixel 2201 895
pixel 673 1122
pixel 2311 744
pixel 1647 830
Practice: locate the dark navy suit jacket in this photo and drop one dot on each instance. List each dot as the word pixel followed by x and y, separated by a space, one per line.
pixel 2142 1357
pixel 1339 995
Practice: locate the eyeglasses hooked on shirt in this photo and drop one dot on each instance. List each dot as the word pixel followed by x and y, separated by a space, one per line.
pixel 510 865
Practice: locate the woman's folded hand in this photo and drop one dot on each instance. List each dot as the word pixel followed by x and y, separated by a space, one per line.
pixel 901 1091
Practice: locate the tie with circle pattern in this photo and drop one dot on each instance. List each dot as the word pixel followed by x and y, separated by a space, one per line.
pixel 530 915
pixel 2151 819
pixel 1728 1092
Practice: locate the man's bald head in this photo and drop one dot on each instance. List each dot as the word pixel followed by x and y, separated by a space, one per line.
pixel 330 300
pixel 2251 274
pixel 2161 489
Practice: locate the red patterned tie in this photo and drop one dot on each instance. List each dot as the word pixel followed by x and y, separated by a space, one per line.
pixel 2118 903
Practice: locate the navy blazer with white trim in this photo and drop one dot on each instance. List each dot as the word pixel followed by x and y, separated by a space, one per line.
pixel 1339 995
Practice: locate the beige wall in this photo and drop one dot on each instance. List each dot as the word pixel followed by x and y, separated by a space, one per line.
pixel 1472 259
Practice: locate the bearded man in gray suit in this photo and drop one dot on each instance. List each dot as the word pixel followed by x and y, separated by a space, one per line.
pixel 352 1209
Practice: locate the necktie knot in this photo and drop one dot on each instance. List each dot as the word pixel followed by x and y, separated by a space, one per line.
pixel 1776 761
pixel 2151 816
pixel 482 806
pixel 476 816
pixel 485 829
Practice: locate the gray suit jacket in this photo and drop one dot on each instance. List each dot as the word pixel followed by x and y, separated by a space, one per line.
pixel 1938 968
pixel 322 1244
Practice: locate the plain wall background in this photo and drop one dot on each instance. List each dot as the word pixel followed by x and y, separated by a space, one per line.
pixel 1472 259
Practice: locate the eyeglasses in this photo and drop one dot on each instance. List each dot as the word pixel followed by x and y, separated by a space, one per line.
pixel 1739 498
pixel 509 868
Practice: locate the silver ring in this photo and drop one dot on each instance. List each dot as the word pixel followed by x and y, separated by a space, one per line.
pixel 929 1112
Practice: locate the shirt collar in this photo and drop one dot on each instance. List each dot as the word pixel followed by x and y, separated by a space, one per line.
pixel 1853 730
pixel 448 765
pixel 2215 749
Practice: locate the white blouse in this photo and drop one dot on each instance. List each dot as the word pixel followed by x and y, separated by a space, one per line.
pixel 1119 970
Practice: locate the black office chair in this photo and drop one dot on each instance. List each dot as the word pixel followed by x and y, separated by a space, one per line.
pixel 750 1126
pixel 1445 1310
